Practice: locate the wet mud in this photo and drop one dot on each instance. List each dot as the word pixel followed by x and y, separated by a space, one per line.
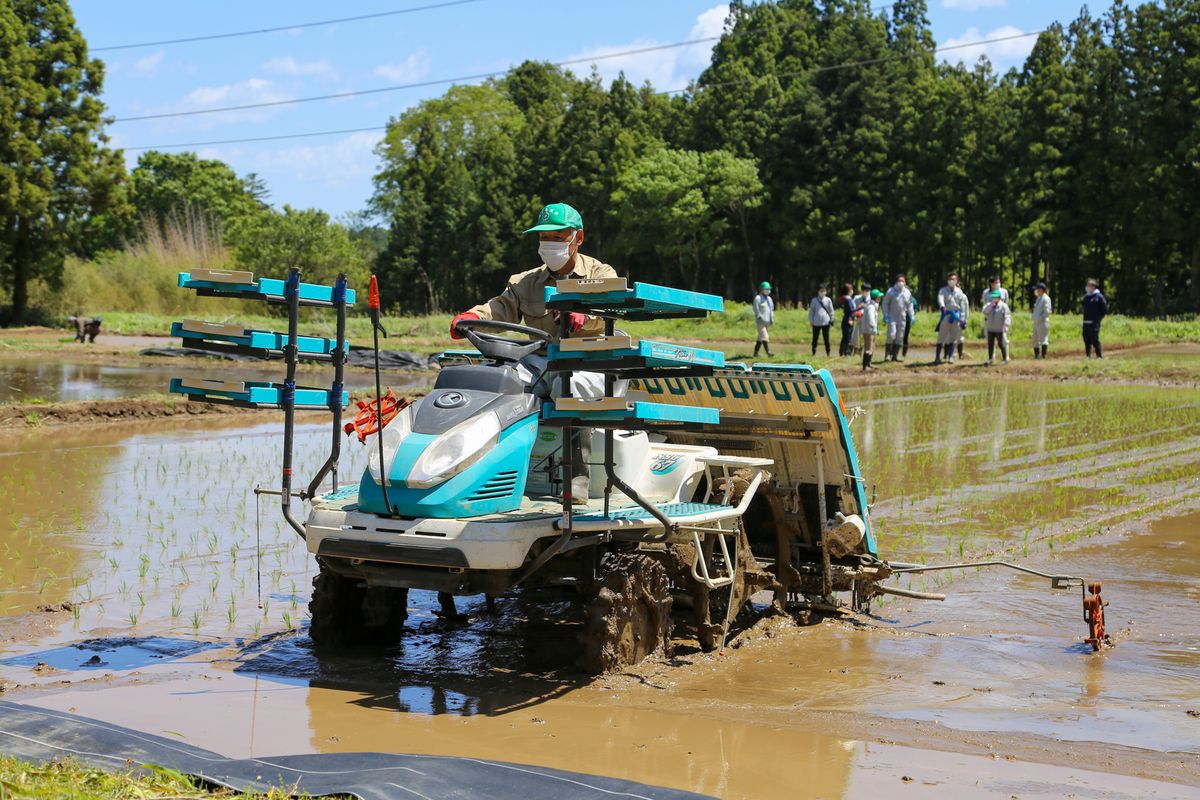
pixel 149 537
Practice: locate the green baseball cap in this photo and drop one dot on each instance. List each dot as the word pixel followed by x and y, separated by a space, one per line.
pixel 876 293
pixel 997 293
pixel 557 217
pixel 764 285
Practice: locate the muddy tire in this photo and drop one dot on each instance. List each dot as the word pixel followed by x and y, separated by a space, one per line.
pixel 345 614
pixel 628 614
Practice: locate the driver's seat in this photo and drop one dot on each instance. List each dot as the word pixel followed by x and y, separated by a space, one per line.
pixel 494 378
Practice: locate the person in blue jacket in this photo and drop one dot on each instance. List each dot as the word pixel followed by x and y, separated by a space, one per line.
pixel 1095 307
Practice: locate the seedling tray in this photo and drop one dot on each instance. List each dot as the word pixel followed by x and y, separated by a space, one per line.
pixel 251 394
pixel 243 285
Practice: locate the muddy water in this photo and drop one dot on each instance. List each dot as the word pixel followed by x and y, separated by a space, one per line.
pixel 152 533
pixel 57 379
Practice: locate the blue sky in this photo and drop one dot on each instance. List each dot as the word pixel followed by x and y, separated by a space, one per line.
pixel 334 172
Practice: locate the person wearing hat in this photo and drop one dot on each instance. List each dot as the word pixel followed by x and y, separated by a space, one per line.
pixel 1041 321
pixel 870 326
pixel 997 318
pixel 1095 308
pixel 560 234
pixel 764 317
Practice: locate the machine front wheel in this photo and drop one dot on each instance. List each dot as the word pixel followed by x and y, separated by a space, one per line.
pixel 628 614
pixel 346 613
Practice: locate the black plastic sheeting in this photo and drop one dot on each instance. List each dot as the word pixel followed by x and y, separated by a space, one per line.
pixel 357 357
pixel 39 735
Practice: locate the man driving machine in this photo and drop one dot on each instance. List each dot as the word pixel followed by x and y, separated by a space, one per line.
pixel 560 233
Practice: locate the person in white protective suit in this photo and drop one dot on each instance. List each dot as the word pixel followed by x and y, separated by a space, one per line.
pixel 954 309
pixel 997 319
pixel 897 304
pixel 1041 321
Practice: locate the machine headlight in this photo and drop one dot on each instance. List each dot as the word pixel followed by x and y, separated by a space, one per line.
pixel 455 450
pixel 393 435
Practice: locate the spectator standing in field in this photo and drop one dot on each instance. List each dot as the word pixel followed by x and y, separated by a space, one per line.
pixel 954 309
pixel 820 316
pixel 869 324
pixel 1041 321
pixel 908 326
pixel 896 307
pixel 864 297
pixel 993 286
pixel 1095 307
pixel 850 311
pixel 764 317
pixel 997 318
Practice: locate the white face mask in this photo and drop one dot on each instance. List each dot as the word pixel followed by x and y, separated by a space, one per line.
pixel 556 254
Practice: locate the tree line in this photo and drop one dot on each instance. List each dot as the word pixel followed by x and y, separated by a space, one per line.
pixel 825 143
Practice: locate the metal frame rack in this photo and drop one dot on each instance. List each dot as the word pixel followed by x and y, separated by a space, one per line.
pixel 289 347
pixel 619 356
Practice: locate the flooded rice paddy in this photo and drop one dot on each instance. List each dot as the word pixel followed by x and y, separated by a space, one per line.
pixel 26 378
pixel 169 618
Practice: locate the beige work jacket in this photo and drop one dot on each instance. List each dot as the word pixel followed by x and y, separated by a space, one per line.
pixel 524 301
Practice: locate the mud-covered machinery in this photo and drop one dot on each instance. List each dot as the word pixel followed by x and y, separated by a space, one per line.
pixel 707 482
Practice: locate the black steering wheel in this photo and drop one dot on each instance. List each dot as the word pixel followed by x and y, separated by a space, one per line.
pixel 502 348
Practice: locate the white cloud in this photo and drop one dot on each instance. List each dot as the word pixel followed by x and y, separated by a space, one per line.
pixel 413 68
pixel 253 90
pixel 290 66
pixel 341 163
pixel 148 65
pixel 1004 54
pixel 971 5
pixel 665 69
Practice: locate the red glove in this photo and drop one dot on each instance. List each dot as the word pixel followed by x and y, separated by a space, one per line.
pixel 577 320
pixel 454 334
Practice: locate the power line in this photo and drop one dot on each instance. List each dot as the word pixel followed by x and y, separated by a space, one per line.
pixel 258 138
pixel 697 88
pixel 418 85
pixel 279 28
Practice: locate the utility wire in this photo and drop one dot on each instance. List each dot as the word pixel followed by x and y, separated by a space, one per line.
pixel 279 28
pixel 418 85
pixel 439 81
pixel 669 91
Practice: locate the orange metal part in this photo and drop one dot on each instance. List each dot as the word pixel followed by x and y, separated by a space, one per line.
pixel 1093 614
pixel 367 420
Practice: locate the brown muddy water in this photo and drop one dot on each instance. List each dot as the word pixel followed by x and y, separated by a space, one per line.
pixel 149 534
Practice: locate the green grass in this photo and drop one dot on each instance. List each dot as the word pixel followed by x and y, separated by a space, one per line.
pixel 430 333
pixel 69 778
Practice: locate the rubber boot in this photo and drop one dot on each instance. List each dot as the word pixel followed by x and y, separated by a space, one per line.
pixel 960 350
pixel 866 360
pixel 904 351
pixel 767 348
pixel 937 355
pixel 1045 349
pixel 1037 353
pixel 1098 353
pixel 757 347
